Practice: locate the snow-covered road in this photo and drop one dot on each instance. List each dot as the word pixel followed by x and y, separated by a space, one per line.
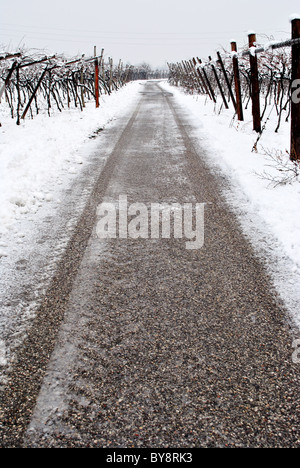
pixel 144 343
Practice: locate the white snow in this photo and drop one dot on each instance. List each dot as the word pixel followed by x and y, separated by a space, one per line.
pixel 268 45
pixel 38 152
pixel 294 16
pixel 268 214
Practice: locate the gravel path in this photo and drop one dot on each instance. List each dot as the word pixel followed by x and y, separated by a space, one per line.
pixel 150 344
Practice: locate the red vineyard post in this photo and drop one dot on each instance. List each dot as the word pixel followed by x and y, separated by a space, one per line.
pixel 295 104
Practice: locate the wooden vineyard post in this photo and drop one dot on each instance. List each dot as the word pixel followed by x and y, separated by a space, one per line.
pixel 34 93
pixel 237 83
pixel 68 91
pixel 110 74
pixel 119 72
pixel 295 104
pixel 182 73
pixel 18 95
pixel 193 76
pixel 226 79
pixel 82 83
pixel 254 84
pixel 202 79
pixel 185 72
pixel 218 83
pixel 96 78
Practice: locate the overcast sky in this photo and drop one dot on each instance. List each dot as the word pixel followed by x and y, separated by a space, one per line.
pixel 154 31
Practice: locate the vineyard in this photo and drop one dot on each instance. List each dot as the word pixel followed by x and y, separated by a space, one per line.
pixel 33 82
pixel 261 76
pixel 275 80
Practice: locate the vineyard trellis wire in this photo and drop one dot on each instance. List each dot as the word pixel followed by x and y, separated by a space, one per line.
pixel 265 76
pixel 33 81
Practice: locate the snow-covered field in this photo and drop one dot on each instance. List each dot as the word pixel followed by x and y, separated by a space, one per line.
pixel 269 214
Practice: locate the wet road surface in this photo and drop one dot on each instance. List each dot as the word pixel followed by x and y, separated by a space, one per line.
pixel 143 343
